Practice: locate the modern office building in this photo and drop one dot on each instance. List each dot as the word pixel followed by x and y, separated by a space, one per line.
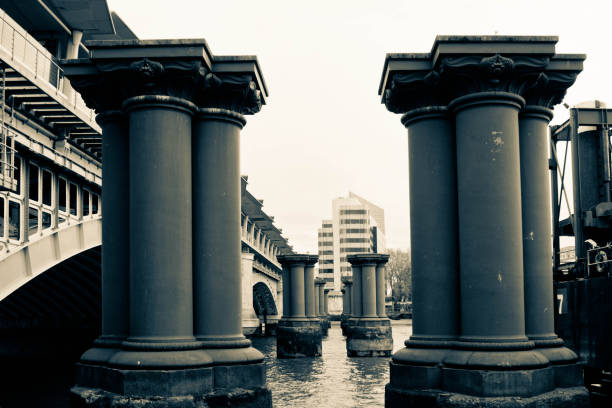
pixel 357 226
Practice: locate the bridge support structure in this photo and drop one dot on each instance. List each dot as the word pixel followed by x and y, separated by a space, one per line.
pixel 368 333
pixel 320 307
pixel 347 283
pixel 183 342
pixel 483 155
pixel 298 333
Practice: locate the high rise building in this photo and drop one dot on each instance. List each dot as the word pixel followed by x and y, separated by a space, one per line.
pixel 357 226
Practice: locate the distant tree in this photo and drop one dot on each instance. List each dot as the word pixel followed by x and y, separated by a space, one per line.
pixel 398 274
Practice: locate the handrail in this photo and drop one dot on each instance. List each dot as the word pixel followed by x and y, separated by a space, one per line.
pixel 24 48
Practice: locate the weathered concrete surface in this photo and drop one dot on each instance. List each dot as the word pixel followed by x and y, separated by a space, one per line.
pixel 296 339
pixel 239 398
pixel 574 397
pixel 371 340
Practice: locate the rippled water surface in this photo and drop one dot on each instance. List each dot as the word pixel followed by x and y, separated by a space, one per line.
pixel 332 380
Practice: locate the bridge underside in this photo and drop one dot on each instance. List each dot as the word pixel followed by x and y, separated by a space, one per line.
pixel 55 312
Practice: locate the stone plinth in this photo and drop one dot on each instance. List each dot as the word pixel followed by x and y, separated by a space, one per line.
pixel 367 333
pixel 298 334
pixel 476 110
pixel 172 324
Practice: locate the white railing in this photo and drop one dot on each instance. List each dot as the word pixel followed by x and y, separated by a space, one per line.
pixel 25 49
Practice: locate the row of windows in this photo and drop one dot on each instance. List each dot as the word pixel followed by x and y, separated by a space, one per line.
pixel 353 221
pixel 326 243
pixel 352 240
pixel 44 190
pixel 342 212
pixel 326 262
pixel 345 269
pixel 326 226
pixel 354 249
pixel 328 279
pixel 326 252
pixel 325 234
pixel 354 231
pixel 326 270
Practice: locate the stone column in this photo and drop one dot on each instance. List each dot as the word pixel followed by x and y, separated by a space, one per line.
pixel 325 302
pixel 367 335
pixel 159 85
pixel 319 306
pixel 115 238
pixel 309 289
pixel 380 287
pixel 161 303
pixel 482 81
pixel 347 281
pixel 250 321
pixel 536 212
pixel 296 335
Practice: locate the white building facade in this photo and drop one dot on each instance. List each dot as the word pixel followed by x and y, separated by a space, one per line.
pixel 357 226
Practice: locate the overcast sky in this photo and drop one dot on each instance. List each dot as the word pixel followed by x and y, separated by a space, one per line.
pixel 324 131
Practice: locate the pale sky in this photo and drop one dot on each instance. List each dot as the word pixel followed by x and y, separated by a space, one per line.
pixel 324 131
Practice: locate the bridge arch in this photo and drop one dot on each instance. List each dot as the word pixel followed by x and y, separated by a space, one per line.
pixel 263 300
pixel 29 260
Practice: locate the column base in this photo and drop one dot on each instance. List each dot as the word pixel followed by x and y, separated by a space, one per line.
pixel 260 397
pixel 295 339
pixel 369 338
pixel 574 397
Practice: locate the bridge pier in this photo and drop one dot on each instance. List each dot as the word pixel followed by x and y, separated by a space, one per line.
pixel 320 307
pixel 368 334
pixel 185 341
pixel 347 282
pixel 484 358
pixel 297 335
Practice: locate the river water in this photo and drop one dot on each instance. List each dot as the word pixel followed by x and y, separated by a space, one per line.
pixel 332 380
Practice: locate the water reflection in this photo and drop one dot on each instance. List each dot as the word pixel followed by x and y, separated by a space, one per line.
pixel 333 380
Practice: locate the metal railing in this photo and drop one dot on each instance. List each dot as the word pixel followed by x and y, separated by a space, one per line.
pixel 34 57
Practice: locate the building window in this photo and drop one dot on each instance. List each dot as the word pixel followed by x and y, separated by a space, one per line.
pixel 33 183
pixel 17 174
pixel 14 214
pixel 342 212
pixel 326 243
pixel 73 198
pixel 46 220
pixel 62 194
pixel 85 202
pixel 326 252
pixel 46 187
pixel 353 249
pixel 354 240
pixel 94 203
pixel 327 226
pixel 32 220
pixel 326 262
pixel 353 221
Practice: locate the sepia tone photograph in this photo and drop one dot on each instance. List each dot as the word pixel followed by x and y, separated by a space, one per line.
pixel 299 204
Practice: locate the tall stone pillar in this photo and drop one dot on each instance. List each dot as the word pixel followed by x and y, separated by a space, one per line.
pixel 478 85
pixel 347 282
pixel 309 289
pixel 163 85
pixel 115 236
pixel 367 335
pixel 297 335
pixel 319 306
pixel 380 287
pixel 536 216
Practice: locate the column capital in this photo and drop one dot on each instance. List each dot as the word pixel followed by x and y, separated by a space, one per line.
pixel 119 69
pixel 293 259
pixel 360 259
pixel 347 280
pixel 462 65
pixel 319 281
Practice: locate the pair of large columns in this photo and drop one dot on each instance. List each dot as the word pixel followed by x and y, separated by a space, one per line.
pixel 483 321
pixel 171 272
pixel 368 330
pixel 298 333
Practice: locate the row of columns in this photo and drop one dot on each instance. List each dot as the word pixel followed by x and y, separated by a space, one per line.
pixel 368 329
pixel 171 278
pixel 256 236
pixel 479 210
